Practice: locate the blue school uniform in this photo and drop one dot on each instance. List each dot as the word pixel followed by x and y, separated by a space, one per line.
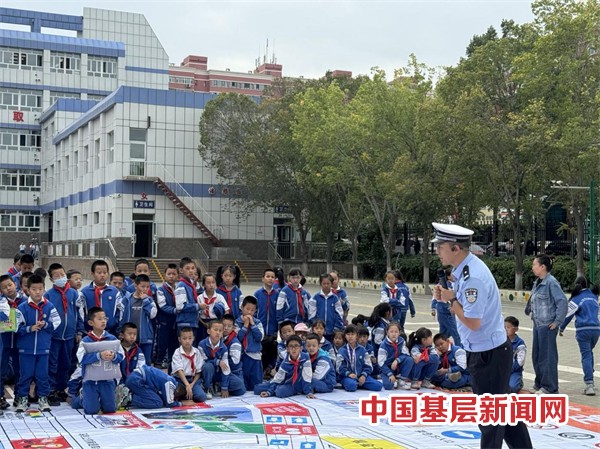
pixel 293 377
pixel 234 349
pixel 132 358
pixel 399 298
pixel 425 368
pixel 378 334
pixel 327 308
pixel 212 371
pixel 446 320
pixel 108 297
pixel 389 352
pixel 141 312
pixel 10 351
pixel 190 365
pixel 267 309
pixel 151 388
pixel 186 304
pixel 323 372
pixel 455 360
pixel 355 361
pixel 344 301
pixel 166 320
pixel 131 289
pixel 66 301
pixel 519 349
pixel 34 346
pixel 326 345
pixel 97 395
pixel 292 304
pixel 233 298
pixel 251 339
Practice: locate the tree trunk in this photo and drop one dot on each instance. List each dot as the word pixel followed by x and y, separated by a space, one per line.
pixel 391 239
pixel 303 231
pixel 354 256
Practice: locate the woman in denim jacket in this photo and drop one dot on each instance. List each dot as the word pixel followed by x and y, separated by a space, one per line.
pixel 548 308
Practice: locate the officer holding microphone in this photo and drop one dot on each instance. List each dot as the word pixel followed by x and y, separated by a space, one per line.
pixel 475 302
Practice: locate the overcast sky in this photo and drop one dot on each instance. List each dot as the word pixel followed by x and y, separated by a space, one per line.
pixel 310 37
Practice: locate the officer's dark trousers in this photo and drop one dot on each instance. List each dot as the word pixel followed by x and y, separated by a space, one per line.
pixel 490 371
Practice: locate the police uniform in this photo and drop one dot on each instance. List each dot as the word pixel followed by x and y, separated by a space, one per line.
pixel 489 352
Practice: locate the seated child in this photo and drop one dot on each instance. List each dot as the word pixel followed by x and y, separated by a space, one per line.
pixel 250 333
pixel 37 321
pixel 294 375
pixel 363 340
pixel 153 388
pixel 452 371
pixel 426 360
pixel 301 330
pixel 187 365
pixel 354 364
pixel 515 383
pixel 338 342
pixel 323 372
pixel 286 330
pixel 394 360
pixel 216 364
pixel 318 327
pixel 100 355
pixel 133 355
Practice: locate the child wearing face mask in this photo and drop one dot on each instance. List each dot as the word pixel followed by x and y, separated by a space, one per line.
pixel 66 336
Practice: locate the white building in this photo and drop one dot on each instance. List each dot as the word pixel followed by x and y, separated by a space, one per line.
pixel 93 144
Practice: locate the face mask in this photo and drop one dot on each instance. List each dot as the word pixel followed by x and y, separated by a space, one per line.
pixel 61 282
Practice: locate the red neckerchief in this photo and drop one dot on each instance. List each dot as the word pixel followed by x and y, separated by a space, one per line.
pixel 63 294
pixel 229 339
pixel 191 359
pixel 314 357
pixel 13 270
pixel 39 307
pixel 445 362
pixel 95 337
pixel 188 283
pixel 169 290
pixel 228 293
pixel 208 303
pixel 296 364
pixel 268 299
pixel 392 292
pixel 334 291
pixel 98 295
pixel 129 355
pixel 425 355
pixel 395 346
pixel 245 339
pixel 13 302
pixel 213 351
pixel 298 293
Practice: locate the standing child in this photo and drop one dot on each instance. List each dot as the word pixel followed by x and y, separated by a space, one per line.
pixel 10 351
pixel 294 376
pixel 406 301
pixel 16 267
pixel 142 267
pixel 323 372
pixel 100 294
pixel 100 355
pixel 186 298
pixel 318 327
pixel 326 306
pixel 27 263
pixel 228 278
pixel 292 301
pixel 216 364
pixel 378 322
pixel 75 279
pixel 394 360
pixel 117 280
pixel 250 333
pixel 426 360
pixel 394 295
pixel 212 305
pixel 452 371
pixel 446 319
pixel 187 365
pixel 515 382
pixel 267 314
pixel 340 293
pixel 167 312
pixel 37 321
pixel 354 364
pixel 66 336
pixel 140 309
pixel 233 345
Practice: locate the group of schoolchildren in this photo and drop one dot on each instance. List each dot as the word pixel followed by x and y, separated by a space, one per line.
pixel 123 341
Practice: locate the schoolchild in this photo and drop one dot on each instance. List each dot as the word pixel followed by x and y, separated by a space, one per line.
pixel 292 302
pixel 519 348
pixel 166 316
pixel 340 293
pixel 250 334
pixel 187 366
pixel 133 356
pixel 394 360
pixel 186 297
pixel 353 364
pixel 212 304
pixel 326 305
pixel 420 344
pixel 266 297
pixel 318 327
pixel 452 372
pixel 233 345
pixel 38 319
pixel 99 294
pixel 323 371
pixel 228 279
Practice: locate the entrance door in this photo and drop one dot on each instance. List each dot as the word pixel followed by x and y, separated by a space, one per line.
pixel 143 239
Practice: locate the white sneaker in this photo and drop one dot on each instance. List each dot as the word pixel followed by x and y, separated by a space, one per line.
pixel 43 404
pixel 415 385
pixel 589 390
pixel 22 404
pixel 209 393
pixel 426 383
pixel 122 396
pixel 403 385
pixel 542 390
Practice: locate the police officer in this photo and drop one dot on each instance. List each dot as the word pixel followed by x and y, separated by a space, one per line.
pixel 475 302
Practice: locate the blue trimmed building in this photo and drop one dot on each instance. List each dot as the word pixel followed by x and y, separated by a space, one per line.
pixel 94 145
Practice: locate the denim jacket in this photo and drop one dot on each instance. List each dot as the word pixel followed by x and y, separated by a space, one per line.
pixel 548 303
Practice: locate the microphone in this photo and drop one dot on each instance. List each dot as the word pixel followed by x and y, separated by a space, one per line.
pixel 441 274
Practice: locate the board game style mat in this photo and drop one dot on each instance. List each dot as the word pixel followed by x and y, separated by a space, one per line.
pixel 331 421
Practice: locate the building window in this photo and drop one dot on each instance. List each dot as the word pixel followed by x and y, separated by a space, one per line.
pixel 84 162
pixel 56 95
pixel 96 154
pixel 24 221
pixel 110 147
pixel 84 220
pixel 137 151
pixel 102 67
pixel 20 140
pixel 21 59
pixel 23 180
pixel 69 63
pixel 20 99
pixel 181 80
pixel 75 221
pixel 96 97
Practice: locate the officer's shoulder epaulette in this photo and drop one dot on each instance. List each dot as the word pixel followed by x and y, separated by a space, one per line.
pixel 465 272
